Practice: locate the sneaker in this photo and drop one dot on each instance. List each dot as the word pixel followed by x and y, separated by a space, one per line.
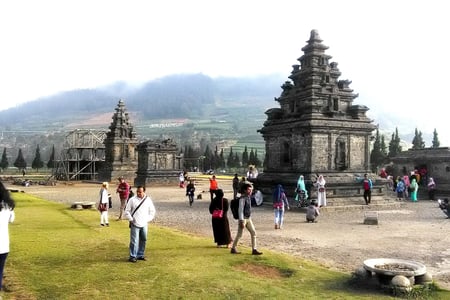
pixel 132 259
pixel 256 252
pixel 107 224
pixel 102 224
pixel 276 226
pixel 142 258
pixel 234 251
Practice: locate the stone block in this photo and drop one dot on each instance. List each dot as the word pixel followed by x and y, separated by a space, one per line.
pixel 371 218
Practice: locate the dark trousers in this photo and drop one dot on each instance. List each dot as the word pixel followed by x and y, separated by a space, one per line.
pixel 2 266
pixel 367 196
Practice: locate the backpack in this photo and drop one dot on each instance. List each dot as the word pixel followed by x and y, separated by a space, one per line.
pixel 234 207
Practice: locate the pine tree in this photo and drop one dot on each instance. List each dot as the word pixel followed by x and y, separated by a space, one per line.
pixel 394 144
pixel 245 157
pixel 435 143
pixel 417 142
pixel 230 159
pixel 236 161
pixel 257 161
pixel 20 162
pixel 37 161
pixel 51 160
pixel 376 156
pixel 4 163
pixel 251 158
pixel 383 147
pixel 221 160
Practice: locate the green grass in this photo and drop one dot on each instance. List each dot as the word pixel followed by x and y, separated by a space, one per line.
pixel 60 253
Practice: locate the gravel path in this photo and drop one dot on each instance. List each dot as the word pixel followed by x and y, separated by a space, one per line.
pixel 340 240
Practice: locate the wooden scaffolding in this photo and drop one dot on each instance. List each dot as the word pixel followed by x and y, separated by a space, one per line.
pixel 82 156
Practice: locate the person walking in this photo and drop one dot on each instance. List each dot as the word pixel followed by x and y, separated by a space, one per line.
pixel 124 192
pixel 7 216
pixel 301 195
pixel 367 187
pixel 103 204
pixel 139 210
pixel 280 203
pixel 235 185
pixel 190 192
pixel 414 188
pixel 321 192
pixel 220 224
pixel 400 189
pixel 213 186
pixel 245 220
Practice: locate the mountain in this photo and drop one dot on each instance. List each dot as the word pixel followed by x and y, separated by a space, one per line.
pixel 187 107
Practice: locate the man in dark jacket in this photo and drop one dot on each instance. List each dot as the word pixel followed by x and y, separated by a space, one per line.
pixel 245 220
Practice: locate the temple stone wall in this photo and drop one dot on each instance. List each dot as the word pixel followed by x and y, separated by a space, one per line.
pixel 317 130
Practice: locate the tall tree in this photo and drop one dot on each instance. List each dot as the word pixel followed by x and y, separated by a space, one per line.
pixel 394 144
pixel 51 160
pixel 245 157
pixel 4 162
pixel 236 161
pixel 417 142
pixel 20 162
pixel 435 143
pixel 230 159
pixel 257 160
pixel 383 146
pixel 376 156
pixel 37 161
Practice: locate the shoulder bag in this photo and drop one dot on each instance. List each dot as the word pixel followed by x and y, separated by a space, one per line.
pixel 218 213
pixel 132 214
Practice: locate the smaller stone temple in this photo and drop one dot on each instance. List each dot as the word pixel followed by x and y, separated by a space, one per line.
pixel 429 162
pixel 159 161
pixel 120 147
pixel 318 130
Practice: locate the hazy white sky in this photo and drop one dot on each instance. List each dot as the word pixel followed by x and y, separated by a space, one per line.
pixel 395 52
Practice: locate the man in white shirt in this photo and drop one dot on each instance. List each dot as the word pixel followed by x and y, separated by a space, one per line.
pixel 139 211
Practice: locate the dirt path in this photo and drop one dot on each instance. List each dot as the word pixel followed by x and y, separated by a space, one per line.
pixel 340 240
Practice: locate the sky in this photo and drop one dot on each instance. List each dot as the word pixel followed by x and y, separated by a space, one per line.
pixel 394 52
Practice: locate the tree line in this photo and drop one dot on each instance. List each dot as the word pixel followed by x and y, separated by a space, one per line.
pixel 215 160
pixel 209 159
pixel 381 153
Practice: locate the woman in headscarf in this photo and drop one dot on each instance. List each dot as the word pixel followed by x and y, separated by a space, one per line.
pixel 321 192
pixel 220 225
pixel 301 195
pixel 431 188
pixel 279 203
pixel 414 188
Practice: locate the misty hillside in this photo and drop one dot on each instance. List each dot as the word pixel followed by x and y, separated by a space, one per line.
pixel 216 111
pixel 176 96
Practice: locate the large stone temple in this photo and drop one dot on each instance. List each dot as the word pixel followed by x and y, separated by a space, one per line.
pixel 120 147
pixel 318 130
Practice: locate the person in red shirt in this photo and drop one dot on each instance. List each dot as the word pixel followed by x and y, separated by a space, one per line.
pixel 213 186
pixel 124 192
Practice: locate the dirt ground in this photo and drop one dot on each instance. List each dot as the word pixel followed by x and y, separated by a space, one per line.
pixel 340 241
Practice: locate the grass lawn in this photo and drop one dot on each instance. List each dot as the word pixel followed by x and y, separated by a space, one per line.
pixel 60 253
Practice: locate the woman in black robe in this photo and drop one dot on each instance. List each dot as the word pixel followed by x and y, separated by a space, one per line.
pixel 221 226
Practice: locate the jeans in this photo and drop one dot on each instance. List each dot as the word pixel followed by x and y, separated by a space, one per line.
pixel 138 240
pixel 279 216
pixel 2 266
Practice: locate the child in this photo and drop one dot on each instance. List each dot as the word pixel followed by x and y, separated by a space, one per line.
pixel 312 212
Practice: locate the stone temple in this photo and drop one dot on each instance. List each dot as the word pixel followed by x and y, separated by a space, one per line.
pixel 120 147
pixel 318 130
